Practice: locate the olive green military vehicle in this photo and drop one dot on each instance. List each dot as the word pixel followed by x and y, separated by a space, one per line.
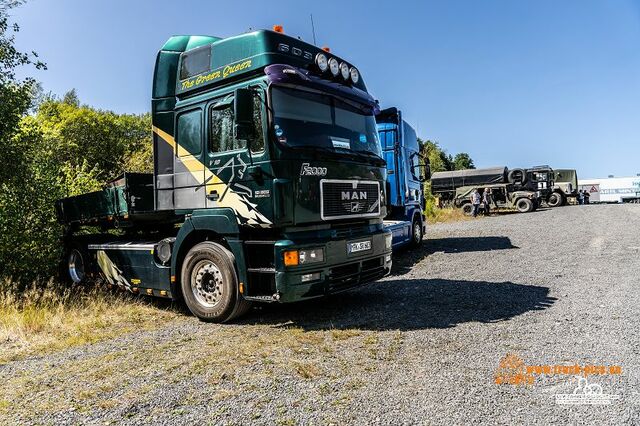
pixel 503 196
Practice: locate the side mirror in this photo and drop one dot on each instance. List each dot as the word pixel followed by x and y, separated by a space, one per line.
pixel 243 113
pixel 421 173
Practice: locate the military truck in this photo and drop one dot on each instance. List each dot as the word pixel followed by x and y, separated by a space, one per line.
pixel 503 195
pixel 565 187
pixel 268 183
pixel 444 185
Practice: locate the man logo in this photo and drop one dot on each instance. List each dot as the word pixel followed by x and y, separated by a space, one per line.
pixel 356 207
pixel 353 195
pixel 308 170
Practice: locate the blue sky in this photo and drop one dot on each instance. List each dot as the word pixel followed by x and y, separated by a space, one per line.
pixel 515 83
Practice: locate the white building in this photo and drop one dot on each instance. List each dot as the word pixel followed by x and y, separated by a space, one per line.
pixel 612 190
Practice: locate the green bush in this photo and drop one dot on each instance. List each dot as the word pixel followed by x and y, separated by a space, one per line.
pixel 64 149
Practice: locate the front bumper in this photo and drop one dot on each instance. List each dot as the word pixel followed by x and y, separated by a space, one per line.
pixel 338 272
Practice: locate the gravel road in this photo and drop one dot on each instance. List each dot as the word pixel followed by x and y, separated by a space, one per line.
pixel 423 346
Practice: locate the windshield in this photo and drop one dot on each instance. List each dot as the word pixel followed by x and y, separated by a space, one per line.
pixel 310 119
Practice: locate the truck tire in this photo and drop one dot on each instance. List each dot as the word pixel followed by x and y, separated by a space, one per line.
pixel 467 209
pixel 209 283
pixel 416 232
pixel 555 200
pixel 517 176
pixel 524 205
pixel 75 266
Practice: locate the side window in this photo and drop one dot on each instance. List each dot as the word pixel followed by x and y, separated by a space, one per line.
pixel 258 133
pixel 222 138
pixel 222 132
pixel 195 62
pixel 190 132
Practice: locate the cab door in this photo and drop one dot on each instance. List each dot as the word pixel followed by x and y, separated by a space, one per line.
pixel 232 175
pixel 388 134
pixel 188 160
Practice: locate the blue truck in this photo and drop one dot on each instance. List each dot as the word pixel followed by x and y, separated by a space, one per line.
pixel 407 170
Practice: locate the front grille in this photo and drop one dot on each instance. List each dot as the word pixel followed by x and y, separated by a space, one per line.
pixel 342 199
pixel 348 276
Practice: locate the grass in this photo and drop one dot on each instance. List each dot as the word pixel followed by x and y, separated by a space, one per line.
pixel 443 215
pixel 227 361
pixel 447 214
pixel 436 214
pixel 47 318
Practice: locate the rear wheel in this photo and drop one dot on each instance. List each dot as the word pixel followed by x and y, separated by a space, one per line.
pixel 74 267
pixel 416 232
pixel 555 200
pixel 524 205
pixel 210 284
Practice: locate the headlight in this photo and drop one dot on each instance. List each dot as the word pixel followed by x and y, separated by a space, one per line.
pixel 388 241
pixel 321 62
pixel 307 256
pixel 334 67
pixel 344 70
pixel 310 277
pixel 355 75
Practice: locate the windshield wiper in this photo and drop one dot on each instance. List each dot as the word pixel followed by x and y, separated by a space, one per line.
pixel 365 154
pixel 366 151
pixel 338 151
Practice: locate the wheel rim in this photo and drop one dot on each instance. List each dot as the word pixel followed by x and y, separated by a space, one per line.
pixel 76 266
pixel 417 232
pixel 207 283
pixel 522 205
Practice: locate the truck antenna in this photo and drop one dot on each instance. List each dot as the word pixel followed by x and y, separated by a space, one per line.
pixel 313 30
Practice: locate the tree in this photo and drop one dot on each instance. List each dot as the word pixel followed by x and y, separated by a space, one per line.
pixel 110 142
pixel 441 161
pixel 68 149
pixel 463 161
pixel 16 96
pixel 62 149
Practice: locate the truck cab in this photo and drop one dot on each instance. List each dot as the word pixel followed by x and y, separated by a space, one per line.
pixel 542 179
pixel 407 170
pixel 565 187
pixel 268 183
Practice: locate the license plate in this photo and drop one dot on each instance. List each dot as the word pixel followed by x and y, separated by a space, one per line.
pixel 359 246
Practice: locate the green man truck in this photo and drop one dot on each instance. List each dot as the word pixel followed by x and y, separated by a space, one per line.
pixel 268 182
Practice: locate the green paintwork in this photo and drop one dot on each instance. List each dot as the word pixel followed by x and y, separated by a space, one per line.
pixel 287 200
pixel 127 196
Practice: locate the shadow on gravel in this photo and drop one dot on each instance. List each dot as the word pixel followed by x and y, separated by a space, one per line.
pixel 505 212
pixel 404 262
pixel 408 305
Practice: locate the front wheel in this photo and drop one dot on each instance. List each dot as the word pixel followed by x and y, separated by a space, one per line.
pixel 524 205
pixel 467 209
pixel 416 232
pixel 210 284
pixel 555 200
